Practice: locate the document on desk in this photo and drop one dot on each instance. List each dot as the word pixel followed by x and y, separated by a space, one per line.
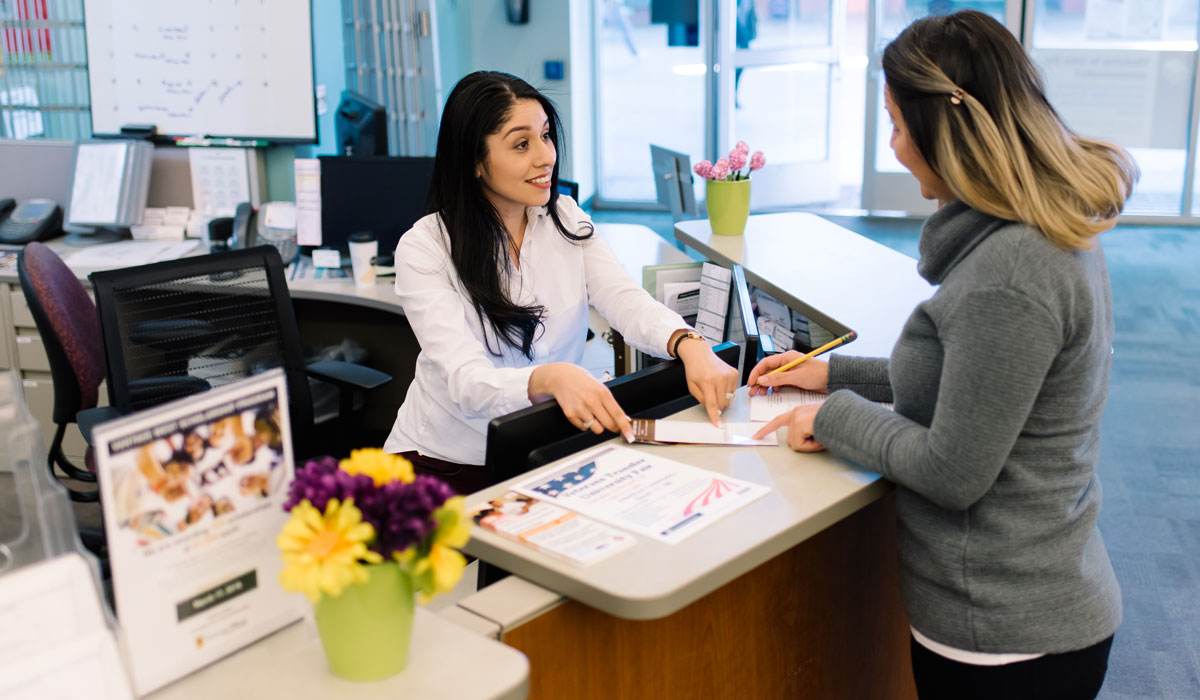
pixel 765 407
pixel 697 433
pixel 193 495
pixel 55 642
pixel 550 529
pixel 641 492
pixel 128 253
pixel 303 269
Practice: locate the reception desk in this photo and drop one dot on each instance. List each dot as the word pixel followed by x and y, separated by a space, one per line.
pixel 327 311
pixel 793 596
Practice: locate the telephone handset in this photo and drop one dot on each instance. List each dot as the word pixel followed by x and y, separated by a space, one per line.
pixel 245 226
pixel 33 220
pixel 231 233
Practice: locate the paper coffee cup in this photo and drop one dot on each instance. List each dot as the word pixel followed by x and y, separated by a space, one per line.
pixel 363 251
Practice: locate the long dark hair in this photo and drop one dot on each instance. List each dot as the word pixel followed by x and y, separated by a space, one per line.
pixel 976 110
pixel 477 107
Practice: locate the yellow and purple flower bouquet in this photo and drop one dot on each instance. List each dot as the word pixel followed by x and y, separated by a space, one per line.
pixel 370 509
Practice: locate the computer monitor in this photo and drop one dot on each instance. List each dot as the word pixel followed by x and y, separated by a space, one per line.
pixel 541 433
pixel 360 125
pixel 741 326
pixel 673 182
pixel 383 195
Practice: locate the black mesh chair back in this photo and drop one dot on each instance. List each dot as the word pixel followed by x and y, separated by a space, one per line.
pixel 179 327
pixel 541 433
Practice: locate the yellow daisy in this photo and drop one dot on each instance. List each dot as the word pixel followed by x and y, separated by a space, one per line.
pixel 445 564
pixel 379 465
pixel 453 525
pixel 323 553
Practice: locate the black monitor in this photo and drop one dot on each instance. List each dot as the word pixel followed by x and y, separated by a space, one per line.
pixel 541 433
pixel 360 125
pixel 383 195
pixel 741 326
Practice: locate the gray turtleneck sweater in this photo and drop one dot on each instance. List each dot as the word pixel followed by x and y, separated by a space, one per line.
pixel 998 381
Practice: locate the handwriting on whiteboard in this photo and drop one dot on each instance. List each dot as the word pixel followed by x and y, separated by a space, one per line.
pixel 225 67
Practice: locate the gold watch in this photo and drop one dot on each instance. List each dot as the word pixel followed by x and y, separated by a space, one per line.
pixel 689 334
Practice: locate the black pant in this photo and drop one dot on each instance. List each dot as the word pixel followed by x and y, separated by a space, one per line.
pixel 465 479
pixel 1075 675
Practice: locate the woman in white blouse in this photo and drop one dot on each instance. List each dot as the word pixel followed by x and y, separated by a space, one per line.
pixel 496 284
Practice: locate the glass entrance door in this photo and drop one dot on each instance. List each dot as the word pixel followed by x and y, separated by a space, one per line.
pixel 697 76
pixel 783 94
pixel 1125 71
pixel 886 184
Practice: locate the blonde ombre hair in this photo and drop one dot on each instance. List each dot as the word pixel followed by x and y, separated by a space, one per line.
pixel 976 110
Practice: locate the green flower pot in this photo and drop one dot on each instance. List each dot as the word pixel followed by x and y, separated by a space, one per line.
pixel 365 631
pixel 728 205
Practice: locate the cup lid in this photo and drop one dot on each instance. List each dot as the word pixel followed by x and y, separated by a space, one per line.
pixel 361 237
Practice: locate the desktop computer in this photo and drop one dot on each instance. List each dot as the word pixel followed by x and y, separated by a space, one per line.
pixel 383 195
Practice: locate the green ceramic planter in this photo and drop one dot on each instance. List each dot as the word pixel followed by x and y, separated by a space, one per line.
pixel 365 631
pixel 728 206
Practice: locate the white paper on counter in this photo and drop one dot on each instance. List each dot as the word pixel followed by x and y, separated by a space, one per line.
pixel 640 492
pixel 702 433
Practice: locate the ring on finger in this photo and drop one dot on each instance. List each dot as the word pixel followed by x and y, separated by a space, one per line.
pixel 729 395
pixel 587 425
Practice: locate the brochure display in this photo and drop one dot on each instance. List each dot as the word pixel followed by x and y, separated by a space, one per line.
pixel 55 642
pixel 642 493
pixel 56 634
pixel 193 493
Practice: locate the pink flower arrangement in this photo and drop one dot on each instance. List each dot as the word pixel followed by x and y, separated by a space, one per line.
pixel 731 168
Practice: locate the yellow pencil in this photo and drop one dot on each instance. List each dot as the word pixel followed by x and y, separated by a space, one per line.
pixel 826 347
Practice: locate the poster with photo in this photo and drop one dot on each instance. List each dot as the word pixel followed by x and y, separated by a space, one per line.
pixel 193 493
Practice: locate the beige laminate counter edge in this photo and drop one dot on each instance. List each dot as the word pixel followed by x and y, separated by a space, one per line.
pixel 809 492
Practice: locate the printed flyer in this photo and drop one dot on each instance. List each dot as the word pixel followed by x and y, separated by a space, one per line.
pixel 642 493
pixel 192 493
pixel 550 529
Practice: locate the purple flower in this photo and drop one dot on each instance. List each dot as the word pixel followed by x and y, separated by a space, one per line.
pixel 401 513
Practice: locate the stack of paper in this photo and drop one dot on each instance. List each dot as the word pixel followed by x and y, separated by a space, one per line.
pixel 162 224
pixel 109 183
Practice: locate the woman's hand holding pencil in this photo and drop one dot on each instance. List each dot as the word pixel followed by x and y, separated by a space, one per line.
pixel 794 369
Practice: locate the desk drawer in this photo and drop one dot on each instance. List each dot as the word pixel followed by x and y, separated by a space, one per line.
pixel 39 397
pixel 6 326
pixel 31 352
pixel 21 316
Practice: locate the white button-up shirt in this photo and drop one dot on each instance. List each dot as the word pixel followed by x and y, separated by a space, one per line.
pixel 459 384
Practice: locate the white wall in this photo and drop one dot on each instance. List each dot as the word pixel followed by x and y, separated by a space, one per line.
pixel 558 30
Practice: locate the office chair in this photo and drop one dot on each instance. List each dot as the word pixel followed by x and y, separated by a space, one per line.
pixel 66 320
pixel 174 328
pixel 540 434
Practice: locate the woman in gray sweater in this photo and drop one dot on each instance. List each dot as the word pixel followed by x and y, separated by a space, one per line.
pixel 998 380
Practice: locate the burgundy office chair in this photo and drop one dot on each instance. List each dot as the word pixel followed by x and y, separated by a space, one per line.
pixel 70 330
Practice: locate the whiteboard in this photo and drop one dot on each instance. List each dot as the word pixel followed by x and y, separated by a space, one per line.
pixel 227 68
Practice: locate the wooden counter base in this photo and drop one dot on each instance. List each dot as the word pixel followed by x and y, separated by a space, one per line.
pixel 821 621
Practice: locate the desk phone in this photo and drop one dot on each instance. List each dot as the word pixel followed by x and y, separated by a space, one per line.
pixel 33 220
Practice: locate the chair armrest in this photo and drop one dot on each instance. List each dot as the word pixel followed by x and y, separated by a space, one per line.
pixel 347 375
pixel 89 418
